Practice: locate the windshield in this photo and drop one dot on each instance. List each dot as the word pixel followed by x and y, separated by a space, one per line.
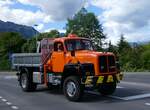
pixel 78 44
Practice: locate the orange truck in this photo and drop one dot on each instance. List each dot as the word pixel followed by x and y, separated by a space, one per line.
pixel 69 62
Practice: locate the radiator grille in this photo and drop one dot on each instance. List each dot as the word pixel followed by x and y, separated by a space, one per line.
pixel 103 64
pixel 111 64
pixel 107 64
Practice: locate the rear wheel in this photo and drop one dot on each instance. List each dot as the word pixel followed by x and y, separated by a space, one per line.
pixel 72 88
pixel 26 82
pixel 107 89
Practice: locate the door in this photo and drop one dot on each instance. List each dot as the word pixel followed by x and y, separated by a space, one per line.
pixel 58 57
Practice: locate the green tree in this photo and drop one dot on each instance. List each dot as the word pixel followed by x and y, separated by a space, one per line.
pixel 85 24
pixel 123 45
pixel 51 34
pixel 146 60
pixel 30 45
pixel 112 48
pixel 10 42
pixel 136 58
pixel 146 56
pixel 124 53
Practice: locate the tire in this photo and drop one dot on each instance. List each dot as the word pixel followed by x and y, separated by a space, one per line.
pixel 107 89
pixel 72 88
pixel 26 82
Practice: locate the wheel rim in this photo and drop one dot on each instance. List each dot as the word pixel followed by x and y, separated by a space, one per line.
pixel 71 88
pixel 23 80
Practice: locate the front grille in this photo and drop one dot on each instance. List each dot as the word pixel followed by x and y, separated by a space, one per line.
pixel 111 64
pixel 103 64
pixel 107 64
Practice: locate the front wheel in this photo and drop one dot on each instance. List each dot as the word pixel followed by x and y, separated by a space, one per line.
pixel 107 89
pixel 72 88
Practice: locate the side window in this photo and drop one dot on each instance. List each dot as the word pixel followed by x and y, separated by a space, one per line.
pixel 58 46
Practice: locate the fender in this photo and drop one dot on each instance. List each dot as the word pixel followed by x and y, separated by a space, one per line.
pixel 71 69
pixel 82 70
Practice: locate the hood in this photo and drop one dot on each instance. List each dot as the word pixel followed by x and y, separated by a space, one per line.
pixel 87 56
pixel 89 53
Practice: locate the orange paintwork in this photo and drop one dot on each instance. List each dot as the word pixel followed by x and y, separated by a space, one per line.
pixel 59 59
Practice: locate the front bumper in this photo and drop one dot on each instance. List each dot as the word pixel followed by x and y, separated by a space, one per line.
pixel 103 79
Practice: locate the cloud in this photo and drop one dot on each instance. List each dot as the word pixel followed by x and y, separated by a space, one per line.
pixel 56 9
pixel 45 11
pixel 21 16
pixel 6 2
pixel 125 16
pixel 40 27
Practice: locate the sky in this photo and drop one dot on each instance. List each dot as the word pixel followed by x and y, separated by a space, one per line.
pixel 128 17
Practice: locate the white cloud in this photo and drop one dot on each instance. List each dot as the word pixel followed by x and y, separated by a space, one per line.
pixel 40 27
pixel 21 16
pixel 125 16
pixel 56 9
pixel 62 30
pixel 47 11
pixel 6 2
pixel 47 19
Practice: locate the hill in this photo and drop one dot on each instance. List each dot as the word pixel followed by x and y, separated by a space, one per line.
pixel 25 31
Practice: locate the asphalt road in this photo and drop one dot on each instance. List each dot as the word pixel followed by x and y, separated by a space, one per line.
pixel 133 93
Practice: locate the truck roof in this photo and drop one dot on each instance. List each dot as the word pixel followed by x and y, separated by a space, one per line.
pixel 70 36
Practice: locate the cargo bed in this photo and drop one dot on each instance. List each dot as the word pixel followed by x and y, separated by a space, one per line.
pixel 26 60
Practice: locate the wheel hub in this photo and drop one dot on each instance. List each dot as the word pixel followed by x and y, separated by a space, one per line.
pixel 71 88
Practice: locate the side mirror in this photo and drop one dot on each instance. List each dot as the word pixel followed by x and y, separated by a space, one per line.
pixel 73 53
